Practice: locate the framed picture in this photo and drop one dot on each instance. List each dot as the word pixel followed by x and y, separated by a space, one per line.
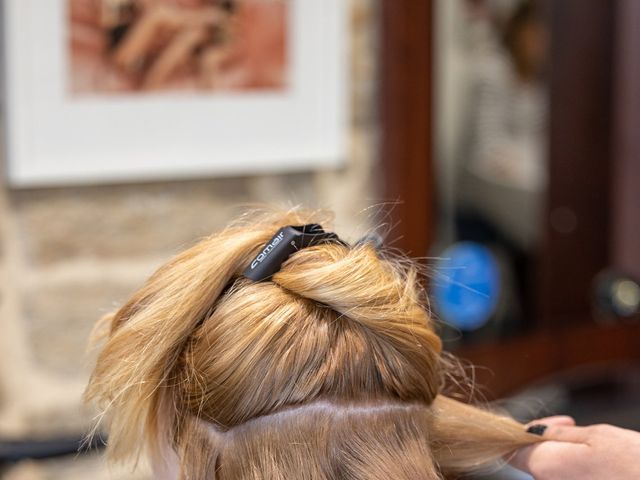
pixel 128 90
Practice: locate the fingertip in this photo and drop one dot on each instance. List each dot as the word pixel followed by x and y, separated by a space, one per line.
pixel 561 420
pixel 567 433
pixel 537 429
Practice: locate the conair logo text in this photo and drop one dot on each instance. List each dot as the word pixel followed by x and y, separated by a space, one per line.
pixel 259 259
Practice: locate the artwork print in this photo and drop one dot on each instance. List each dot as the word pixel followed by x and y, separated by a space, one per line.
pixel 128 46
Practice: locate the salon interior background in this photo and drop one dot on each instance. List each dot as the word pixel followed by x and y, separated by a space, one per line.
pixel 535 190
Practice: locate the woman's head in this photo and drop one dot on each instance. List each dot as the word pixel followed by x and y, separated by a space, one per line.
pixel 330 369
pixel 525 39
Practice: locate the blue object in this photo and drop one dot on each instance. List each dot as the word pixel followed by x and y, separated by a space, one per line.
pixel 466 286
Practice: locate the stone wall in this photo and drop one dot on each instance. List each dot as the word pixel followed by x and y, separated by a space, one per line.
pixel 68 255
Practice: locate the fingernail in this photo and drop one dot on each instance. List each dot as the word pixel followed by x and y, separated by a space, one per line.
pixel 537 429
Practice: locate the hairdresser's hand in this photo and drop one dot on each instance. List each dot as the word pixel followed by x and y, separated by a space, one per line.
pixel 587 453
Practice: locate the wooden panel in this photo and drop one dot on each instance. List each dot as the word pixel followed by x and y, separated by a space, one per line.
pixel 508 366
pixel 406 133
pixel 576 243
pixel 626 171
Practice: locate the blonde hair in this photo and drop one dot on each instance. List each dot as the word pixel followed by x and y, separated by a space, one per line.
pixel 331 370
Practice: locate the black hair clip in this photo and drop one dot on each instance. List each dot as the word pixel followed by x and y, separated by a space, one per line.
pixel 284 243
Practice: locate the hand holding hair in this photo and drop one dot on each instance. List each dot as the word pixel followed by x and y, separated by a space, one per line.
pixel 595 452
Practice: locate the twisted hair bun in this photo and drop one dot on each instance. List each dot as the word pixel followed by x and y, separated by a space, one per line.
pixel 336 354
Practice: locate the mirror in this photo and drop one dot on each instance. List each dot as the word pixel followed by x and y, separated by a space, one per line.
pixel 491 161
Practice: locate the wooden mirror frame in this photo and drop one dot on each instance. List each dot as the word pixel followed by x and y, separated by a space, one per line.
pixel 591 153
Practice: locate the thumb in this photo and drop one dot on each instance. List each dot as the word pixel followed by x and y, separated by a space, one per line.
pixel 549 455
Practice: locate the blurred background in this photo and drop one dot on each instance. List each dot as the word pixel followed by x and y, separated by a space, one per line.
pixel 493 139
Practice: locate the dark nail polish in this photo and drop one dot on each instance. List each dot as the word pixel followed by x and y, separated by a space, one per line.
pixel 537 429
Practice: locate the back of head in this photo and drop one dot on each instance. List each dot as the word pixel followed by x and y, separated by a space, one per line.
pixel 330 370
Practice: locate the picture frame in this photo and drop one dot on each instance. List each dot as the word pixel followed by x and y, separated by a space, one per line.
pixel 55 136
